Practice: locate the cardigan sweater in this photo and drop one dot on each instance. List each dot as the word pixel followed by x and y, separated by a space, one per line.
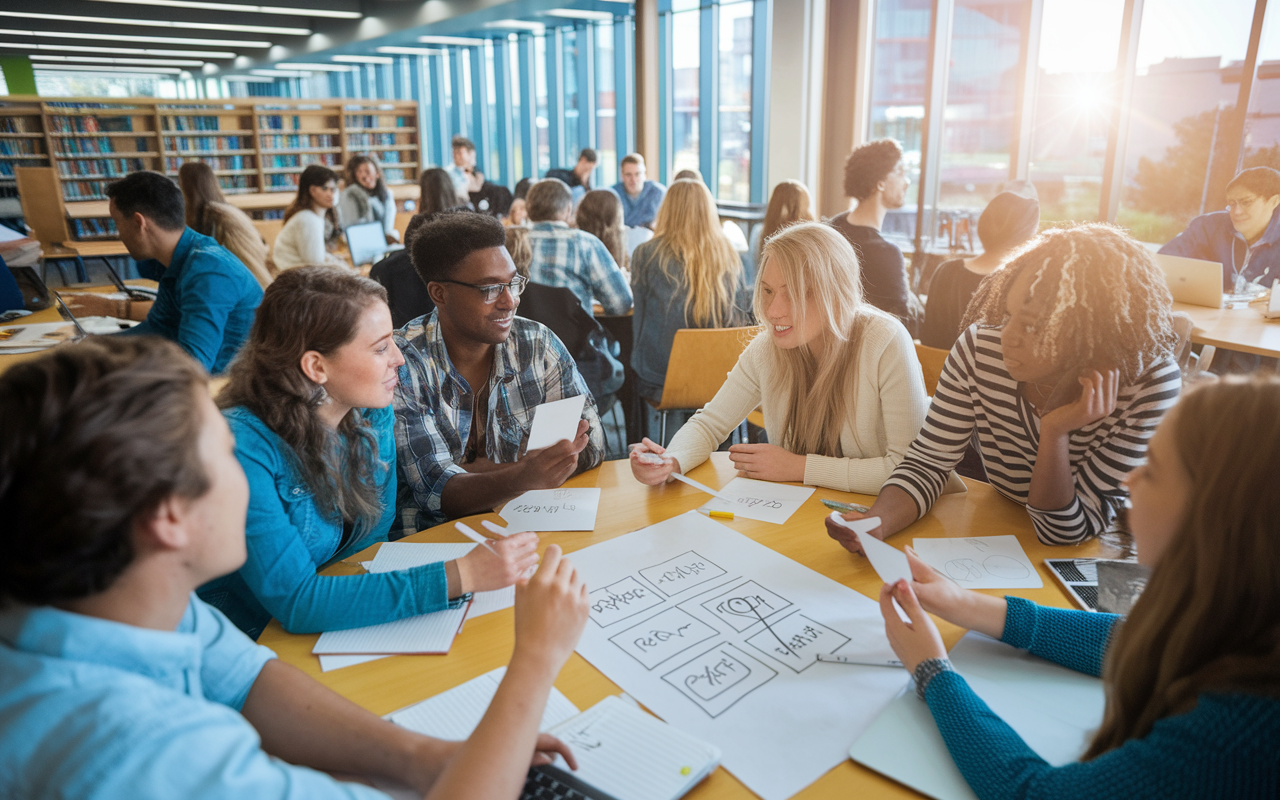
pixel 301 243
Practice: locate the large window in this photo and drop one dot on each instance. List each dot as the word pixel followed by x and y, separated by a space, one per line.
pixel 685 78
pixel 606 106
pixel 543 144
pixel 899 67
pixel 735 102
pixel 572 99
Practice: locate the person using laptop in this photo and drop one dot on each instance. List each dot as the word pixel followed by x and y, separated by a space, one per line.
pixel 473 376
pixel 117 681
pixel 309 403
pixel 311 225
pixel 206 298
pixel 1192 675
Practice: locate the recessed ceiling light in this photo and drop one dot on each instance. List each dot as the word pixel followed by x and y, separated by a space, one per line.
pixel 460 41
pixel 517 24
pixel 314 67
pixel 410 51
pixel 248 9
pixel 121 37
pixel 137 51
pixel 573 13
pixel 160 23
pixel 364 59
pixel 245 79
pixel 118 70
pixel 153 62
pixel 280 73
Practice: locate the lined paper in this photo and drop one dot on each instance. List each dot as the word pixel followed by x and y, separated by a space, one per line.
pixel 328 663
pixel 455 714
pixel 426 633
pixel 393 556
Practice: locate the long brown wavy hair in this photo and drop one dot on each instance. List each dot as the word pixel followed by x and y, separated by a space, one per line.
pixel 356 162
pixel 310 308
pixel 688 227
pixel 789 203
pixel 315 175
pixel 1209 618
pixel 600 214
pixel 199 188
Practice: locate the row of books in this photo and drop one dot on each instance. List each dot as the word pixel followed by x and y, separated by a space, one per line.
pixel 282 180
pixel 91 124
pixel 279 122
pixel 19 125
pixel 83 190
pixel 19 147
pixel 100 145
pixel 389 156
pixel 185 143
pixel 238 184
pixel 374 121
pixel 296 142
pixel 104 167
pixel 216 162
pixel 394 176
pixel 6 167
pixel 85 228
pixel 191 123
pixel 374 139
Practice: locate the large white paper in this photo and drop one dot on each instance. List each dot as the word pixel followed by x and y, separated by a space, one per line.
pixel 393 556
pixel 552 510
pixel 718 635
pixel 1053 709
pixel 455 714
pixel 981 562
pixel 426 633
pixel 762 500
pixel 555 421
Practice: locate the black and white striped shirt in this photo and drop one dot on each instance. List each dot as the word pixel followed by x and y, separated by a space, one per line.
pixel 976 393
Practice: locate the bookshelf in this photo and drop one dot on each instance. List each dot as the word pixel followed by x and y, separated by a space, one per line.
pixel 257 147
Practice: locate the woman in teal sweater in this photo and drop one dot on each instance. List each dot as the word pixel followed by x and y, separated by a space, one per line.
pixel 309 403
pixel 1192 675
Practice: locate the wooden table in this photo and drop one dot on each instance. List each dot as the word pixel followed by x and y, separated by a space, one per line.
pixel 50 314
pixel 486 642
pixel 1242 329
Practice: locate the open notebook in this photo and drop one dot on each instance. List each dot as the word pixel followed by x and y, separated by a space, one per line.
pixel 430 634
pixel 455 714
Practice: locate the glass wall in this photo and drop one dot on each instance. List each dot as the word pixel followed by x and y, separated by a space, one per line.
pixel 572 102
pixel 734 117
pixel 543 132
pixel 685 76
pixel 606 106
pixel 899 67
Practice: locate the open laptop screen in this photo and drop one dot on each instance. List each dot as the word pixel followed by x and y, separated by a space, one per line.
pixel 367 242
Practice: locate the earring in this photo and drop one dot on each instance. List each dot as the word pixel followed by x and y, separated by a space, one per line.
pixel 321 397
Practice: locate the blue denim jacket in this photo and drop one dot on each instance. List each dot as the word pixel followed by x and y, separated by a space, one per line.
pixel 290 534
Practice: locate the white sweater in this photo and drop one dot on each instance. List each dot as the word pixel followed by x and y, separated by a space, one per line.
pixel 301 243
pixel 885 413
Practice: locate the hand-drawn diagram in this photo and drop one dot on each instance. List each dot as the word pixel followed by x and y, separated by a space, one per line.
pixel 681 573
pixel 719 677
pixel 968 570
pixel 796 640
pixel 620 600
pixel 663 636
pixel 745 605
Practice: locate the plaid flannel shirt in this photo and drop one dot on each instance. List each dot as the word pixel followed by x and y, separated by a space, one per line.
pixel 433 405
pixel 578 261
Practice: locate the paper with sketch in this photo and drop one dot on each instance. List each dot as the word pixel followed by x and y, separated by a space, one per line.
pixel 762 500
pixel 393 556
pixel 552 510
pixel 981 562
pixel 555 421
pixel 426 633
pixel 1055 710
pixel 454 714
pixel 330 663
pixel 719 636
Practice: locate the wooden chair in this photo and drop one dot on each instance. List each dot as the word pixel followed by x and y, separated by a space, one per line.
pixel 931 361
pixel 700 362
pixel 46 215
pixel 269 229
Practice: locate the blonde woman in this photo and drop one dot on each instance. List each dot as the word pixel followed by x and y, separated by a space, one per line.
pixel 687 276
pixel 208 212
pixel 841 388
pixel 789 203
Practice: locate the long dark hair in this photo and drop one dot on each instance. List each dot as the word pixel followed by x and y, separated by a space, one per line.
pixel 199 189
pixel 310 308
pixel 438 191
pixel 314 175
pixel 355 163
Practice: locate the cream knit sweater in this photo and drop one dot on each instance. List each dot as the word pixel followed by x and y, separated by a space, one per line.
pixel 884 415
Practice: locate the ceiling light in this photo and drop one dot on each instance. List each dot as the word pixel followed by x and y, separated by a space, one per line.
pixel 517 24
pixel 248 9
pixel 245 79
pixel 314 67
pixel 117 70
pixel 130 38
pixel 280 73
pixel 161 23
pixel 410 51
pixel 460 41
pixel 137 51
pixel 156 62
pixel 362 59
pixel 573 13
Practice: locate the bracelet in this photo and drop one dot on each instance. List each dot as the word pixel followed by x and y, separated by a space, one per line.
pixel 929 669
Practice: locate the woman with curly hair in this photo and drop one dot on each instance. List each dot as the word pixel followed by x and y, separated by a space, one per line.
pixel 1063 372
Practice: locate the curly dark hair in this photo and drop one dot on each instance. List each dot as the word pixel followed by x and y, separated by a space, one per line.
pixel 869 164
pixel 441 243
pixel 93 437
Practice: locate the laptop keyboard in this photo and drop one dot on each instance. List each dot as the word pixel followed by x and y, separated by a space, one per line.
pixel 549 783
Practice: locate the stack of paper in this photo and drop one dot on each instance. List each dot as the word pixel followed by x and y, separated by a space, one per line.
pixel 456 713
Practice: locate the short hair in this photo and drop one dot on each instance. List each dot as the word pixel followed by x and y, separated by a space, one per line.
pixel 443 242
pixel 153 196
pixel 689 174
pixel 462 142
pixel 631 158
pixel 548 199
pixel 522 188
pixel 1008 220
pixel 1262 181
pixel 589 155
pixel 93 437
pixel 869 164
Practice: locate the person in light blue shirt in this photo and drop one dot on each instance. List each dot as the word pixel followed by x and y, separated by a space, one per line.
pixel 116 681
pixel 1192 676
pixel 206 298
pixel 640 198
pixel 309 402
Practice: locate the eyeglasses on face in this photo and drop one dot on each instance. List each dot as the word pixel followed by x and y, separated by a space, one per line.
pixel 1242 203
pixel 490 291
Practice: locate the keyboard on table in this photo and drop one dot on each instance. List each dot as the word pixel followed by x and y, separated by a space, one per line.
pixel 550 783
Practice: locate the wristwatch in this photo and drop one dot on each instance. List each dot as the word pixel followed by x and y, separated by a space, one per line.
pixel 929 669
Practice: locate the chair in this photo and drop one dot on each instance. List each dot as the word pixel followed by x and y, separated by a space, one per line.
pixel 269 229
pixel 700 362
pixel 931 361
pixel 46 216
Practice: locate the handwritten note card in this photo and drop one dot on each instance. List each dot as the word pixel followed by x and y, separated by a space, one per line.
pixel 981 562
pixel 555 421
pixel 394 556
pixel 762 500
pixel 552 510
pixel 455 714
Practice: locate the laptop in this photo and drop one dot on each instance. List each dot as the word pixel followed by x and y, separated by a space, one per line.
pixel 1273 307
pixel 65 313
pixel 142 293
pixel 367 242
pixel 1192 280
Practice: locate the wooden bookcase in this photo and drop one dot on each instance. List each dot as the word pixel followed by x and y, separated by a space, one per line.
pixel 256 146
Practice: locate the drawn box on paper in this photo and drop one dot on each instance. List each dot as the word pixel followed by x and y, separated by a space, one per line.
pixel 745 605
pixel 685 571
pixel 663 636
pixel 620 600
pixel 720 677
pixel 796 641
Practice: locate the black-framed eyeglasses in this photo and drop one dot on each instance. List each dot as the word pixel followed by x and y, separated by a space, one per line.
pixel 490 291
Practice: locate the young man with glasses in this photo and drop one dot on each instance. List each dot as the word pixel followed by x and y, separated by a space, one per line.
pixel 474 372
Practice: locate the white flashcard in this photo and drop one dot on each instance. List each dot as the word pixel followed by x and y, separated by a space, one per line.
pixel 762 500
pixel 555 421
pixel 552 510
pixel 981 562
pixel 889 562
